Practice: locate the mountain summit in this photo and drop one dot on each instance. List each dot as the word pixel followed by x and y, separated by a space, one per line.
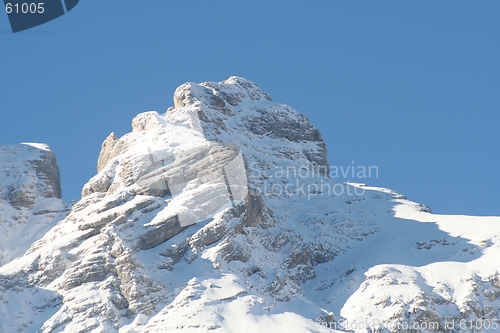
pixel 222 215
pixel 30 196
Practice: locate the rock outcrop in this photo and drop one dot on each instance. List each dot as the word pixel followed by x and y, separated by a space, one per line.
pixel 30 196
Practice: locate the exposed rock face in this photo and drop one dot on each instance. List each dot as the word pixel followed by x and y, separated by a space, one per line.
pixel 217 104
pixel 110 148
pixel 30 196
pixel 31 172
pixel 220 215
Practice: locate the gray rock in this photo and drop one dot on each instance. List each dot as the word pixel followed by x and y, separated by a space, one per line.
pixel 47 171
pixel 32 172
pixel 111 147
pixel 160 233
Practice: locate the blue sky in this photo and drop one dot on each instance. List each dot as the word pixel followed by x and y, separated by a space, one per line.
pixel 411 87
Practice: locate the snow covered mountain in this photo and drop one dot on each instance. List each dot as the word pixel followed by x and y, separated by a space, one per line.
pixel 221 215
pixel 30 197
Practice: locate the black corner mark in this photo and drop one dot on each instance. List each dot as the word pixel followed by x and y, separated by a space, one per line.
pixel 70 4
pixel 22 17
pixel 27 14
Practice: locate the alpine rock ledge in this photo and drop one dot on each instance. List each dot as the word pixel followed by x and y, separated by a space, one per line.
pixel 221 216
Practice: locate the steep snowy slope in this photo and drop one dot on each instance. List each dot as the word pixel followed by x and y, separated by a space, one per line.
pixel 220 215
pixel 30 197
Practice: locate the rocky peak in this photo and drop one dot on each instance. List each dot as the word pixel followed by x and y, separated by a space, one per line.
pixel 237 109
pixel 29 172
pixel 30 196
pixel 221 96
pixel 234 112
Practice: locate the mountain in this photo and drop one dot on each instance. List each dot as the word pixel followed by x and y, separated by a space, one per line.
pixel 30 197
pixel 223 215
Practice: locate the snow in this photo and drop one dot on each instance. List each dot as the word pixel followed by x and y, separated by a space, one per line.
pixel 41 146
pixel 22 226
pixel 365 256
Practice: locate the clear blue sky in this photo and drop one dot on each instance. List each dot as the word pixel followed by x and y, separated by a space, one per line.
pixel 411 87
